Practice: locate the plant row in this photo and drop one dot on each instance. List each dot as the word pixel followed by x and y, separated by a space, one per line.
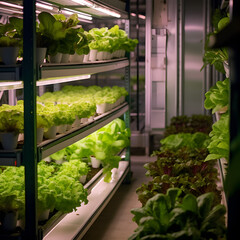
pixel 57 34
pixel 182 187
pixel 60 185
pixel 104 145
pixel 217 98
pixel 59 111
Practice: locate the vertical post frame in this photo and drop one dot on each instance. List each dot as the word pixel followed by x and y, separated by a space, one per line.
pixel 30 146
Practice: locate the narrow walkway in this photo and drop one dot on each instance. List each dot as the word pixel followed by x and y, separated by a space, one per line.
pixel 115 222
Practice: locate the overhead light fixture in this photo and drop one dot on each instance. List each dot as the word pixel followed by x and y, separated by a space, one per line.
pixel 11 5
pixel 84 3
pixel 46 81
pixel 80 14
pixel 10 10
pixel 107 11
pixel 45 6
pixel 96 7
pixel 141 16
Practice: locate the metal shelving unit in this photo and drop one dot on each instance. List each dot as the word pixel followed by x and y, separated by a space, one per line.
pixel 28 76
pixel 50 146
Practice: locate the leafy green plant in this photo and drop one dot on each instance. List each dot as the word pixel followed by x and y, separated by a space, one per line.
pixel 176 162
pixel 196 185
pixel 112 39
pixel 74 169
pixel 216 57
pixel 57 189
pixel 183 168
pixel 217 98
pixel 186 124
pixel 75 40
pixel 104 144
pixel 176 141
pixel 11 34
pixel 8 42
pixel 46 197
pixel 50 32
pixel 11 119
pixel 168 217
pixel 12 194
pixel 219 145
pixel 69 193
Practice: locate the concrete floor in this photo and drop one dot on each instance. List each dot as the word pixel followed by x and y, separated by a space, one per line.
pixel 115 222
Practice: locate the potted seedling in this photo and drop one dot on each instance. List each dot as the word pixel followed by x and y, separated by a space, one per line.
pixel 11 124
pixel 11 197
pixel 9 49
pixel 53 31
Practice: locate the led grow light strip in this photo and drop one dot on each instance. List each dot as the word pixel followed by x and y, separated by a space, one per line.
pixel 9 10
pixel 11 5
pixel 139 15
pixel 44 82
pixel 107 11
pixel 84 2
pixel 41 5
pixel 96 7
pixel 80 14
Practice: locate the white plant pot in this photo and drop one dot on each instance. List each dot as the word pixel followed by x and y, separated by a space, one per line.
pixel 86 58
pixel 9 222
pixel 75 58
pixel 56 58
pixel 62 128
pixel 40 132
pixel 114 174
pixel 84 120
pixel 76 123
pixel 9 140
pixel 83 179
pixel 65 58
pixel 20 137
pixel 21 223
pixel 40 55
pixel 9 55
pixel 61 161
pixel 95 162
pixel 51 133
pixel 102 108
pixel 99 56
pixel 226 68
pixel 47 159
pixel 92 55
pixel 43 215
pixel 91 119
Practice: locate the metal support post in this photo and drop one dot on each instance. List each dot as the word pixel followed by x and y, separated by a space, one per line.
pixel 30 146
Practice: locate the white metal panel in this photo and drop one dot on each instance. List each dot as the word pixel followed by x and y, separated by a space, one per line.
pixel 148 49
pixel 158 74
pixel 194 28
pixel 158 95
pixel 158 119
pixel 158 60
pixel 172 60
